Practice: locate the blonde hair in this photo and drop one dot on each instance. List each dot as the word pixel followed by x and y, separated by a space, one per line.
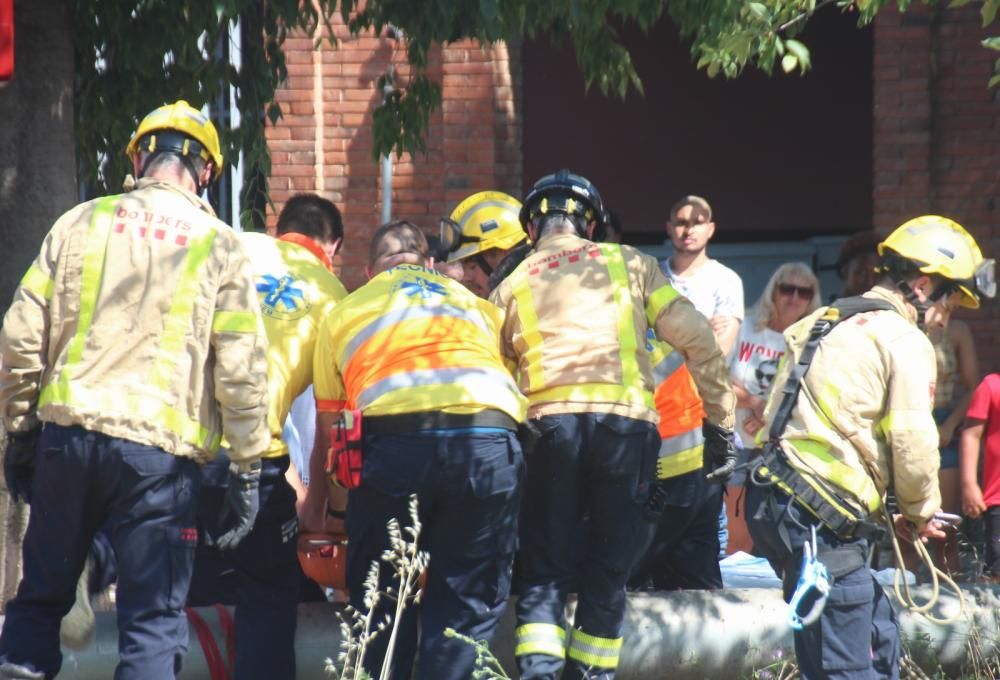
pixel 763 310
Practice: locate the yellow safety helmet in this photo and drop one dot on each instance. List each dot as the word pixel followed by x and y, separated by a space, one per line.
pixel 941 246
pixel 197 137
pixel 482 221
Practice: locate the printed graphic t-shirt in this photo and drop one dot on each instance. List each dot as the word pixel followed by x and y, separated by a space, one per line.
pixel 753 365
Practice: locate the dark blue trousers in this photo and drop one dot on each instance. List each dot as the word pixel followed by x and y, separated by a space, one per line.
pixel 583 465
pixel 260 576
pixel 468 486
pixel 857 636
pixel 684 553
pixel 146 499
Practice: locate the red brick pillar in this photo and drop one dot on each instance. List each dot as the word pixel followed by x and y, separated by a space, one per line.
pixel 937 133
pixel 902 100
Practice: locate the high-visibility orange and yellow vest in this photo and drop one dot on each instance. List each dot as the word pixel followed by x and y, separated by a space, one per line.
pixel 297 291
pixel 412 340
pixel 681 411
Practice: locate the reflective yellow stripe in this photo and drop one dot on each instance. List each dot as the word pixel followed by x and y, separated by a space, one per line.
pixel 627 336
pixel 906 420
pixel 680 463
pixel 540 638
pixel 660 298
pixel 593 651
pixel 592 392
pixel 827 399
pixel 90 279
pixel 816 458
pixel 149 408
pixel 179 318
pixel 680 443
pixel 475 388
pixel 234 322
pixel 38 282
pixel 532 355
pixel 680 454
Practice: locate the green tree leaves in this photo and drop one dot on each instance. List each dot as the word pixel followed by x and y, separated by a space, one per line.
pixel 134 55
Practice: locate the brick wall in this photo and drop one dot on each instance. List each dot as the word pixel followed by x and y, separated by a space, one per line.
pixel 937 133
pixel 324 141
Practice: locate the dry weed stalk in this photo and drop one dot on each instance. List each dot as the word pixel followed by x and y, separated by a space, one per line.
pixel 358 629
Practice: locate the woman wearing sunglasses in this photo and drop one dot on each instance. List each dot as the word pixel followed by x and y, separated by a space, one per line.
pixel 791 293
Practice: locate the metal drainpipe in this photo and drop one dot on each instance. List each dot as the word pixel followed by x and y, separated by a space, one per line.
pixel 388 87
pixel 696 634
pixel 386 161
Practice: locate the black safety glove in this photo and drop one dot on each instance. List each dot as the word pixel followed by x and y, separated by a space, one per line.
pixel 19 463
pixel 720 452
pixel 240 508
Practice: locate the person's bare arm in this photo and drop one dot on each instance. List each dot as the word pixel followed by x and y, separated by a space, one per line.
pixel 294 480
pixel 968 464
pixel 313 515
pixel 726 329
pixel 751 401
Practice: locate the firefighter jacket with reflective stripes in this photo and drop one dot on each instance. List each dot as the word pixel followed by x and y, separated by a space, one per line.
pixel 577 316
pixel 412 340
pixel 139 320
pixel 868 391
pixel 297 291
pixel 681 412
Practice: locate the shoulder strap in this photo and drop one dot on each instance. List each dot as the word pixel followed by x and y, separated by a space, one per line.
pixel 840 310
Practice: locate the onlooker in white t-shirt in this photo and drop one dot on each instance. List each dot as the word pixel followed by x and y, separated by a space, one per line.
pixel 791 294
pixel 713 288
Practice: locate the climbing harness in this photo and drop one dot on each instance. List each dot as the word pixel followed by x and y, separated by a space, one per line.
pixel 824 500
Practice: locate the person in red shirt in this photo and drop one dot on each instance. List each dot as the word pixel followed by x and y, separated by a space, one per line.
pixel 983 415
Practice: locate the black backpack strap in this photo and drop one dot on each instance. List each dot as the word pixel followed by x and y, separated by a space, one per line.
pixel 834 314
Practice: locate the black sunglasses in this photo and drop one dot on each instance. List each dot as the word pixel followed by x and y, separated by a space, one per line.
pixel 804 292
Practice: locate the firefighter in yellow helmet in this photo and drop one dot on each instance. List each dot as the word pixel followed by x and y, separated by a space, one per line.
pixel 849 416
pixel 480 233
pixel 136 338
pixel 185 133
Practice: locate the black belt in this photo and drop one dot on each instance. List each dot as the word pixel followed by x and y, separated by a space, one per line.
pixel 436 420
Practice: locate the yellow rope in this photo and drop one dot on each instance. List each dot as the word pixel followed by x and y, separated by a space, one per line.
pixel 904 595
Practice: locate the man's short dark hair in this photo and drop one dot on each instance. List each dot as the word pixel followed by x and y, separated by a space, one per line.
pixel 615 224
pixel 411 239
pixel 860 243
pixel 313 216
pixel 696 201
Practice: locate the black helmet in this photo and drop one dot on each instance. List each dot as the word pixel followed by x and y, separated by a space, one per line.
pixel 564 192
